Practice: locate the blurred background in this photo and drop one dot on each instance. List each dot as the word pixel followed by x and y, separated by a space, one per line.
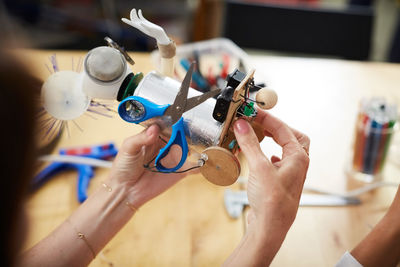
pixel 350 29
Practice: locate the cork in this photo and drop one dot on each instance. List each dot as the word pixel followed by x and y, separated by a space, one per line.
pixel 167 51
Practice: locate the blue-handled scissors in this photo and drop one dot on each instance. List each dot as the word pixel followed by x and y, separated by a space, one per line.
pixel 136 109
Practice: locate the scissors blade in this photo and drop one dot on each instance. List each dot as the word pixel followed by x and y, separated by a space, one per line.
pixel 177 108
pixel 197 100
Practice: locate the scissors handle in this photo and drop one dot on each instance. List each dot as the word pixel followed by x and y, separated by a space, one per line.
pixel 177 138
pixel 136 109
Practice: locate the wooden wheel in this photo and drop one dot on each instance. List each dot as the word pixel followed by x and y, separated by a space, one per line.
pixel 222 167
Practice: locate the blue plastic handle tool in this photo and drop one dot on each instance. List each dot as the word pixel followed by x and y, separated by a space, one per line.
pixel 85 174
pixel 145 109
pixel 98 152
pixel 177 138
pixel 48 172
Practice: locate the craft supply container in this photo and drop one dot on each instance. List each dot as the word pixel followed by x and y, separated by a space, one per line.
pixel 375 126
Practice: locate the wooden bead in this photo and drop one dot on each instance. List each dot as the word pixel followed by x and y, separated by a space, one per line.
pixel 266 98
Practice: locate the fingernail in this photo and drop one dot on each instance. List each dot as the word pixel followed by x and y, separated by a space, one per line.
pixel 241 126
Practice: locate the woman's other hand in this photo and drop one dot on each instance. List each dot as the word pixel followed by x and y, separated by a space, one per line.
pixel 128 167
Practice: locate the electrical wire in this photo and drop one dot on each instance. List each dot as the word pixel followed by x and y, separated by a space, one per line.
pixel 252 100
pixel 153 169
pixel 100 163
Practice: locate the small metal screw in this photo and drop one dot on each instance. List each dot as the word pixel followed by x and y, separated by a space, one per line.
pixel 202 160
pixel 204 156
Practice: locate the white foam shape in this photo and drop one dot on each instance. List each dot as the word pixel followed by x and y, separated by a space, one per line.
pixel 63 97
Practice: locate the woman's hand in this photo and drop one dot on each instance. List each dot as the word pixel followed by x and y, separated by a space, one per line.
pixel 128 167
pixel 275 185
pixel 274 188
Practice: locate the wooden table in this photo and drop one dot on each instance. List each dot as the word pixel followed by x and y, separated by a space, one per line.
pixel 320 97
pixel 188 225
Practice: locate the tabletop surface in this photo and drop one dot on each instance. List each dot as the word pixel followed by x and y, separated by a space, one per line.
pixel 188 224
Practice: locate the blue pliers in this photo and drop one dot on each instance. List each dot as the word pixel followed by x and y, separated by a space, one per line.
pixel 137 109
pixel 85 172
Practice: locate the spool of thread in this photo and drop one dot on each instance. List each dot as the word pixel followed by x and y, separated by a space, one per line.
pixel 266 98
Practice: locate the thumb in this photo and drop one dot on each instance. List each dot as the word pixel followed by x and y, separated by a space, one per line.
pixel 129 162
pixel 249 144
pixel 133 145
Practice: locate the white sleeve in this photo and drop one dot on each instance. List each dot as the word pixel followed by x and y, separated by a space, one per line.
pixel 347 260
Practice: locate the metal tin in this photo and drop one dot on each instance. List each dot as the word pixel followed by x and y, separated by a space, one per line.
pixel 112 64
pixel 200 126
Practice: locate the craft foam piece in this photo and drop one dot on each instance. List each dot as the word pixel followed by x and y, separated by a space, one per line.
pixel 63 97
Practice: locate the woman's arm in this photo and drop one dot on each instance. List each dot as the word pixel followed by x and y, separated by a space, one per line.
pixel 274 189
pixel 381 247
pixel 78 240
pixel 99 218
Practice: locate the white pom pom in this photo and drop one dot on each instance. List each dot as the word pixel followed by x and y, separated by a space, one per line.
pixel 266 98
pixel 63 97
